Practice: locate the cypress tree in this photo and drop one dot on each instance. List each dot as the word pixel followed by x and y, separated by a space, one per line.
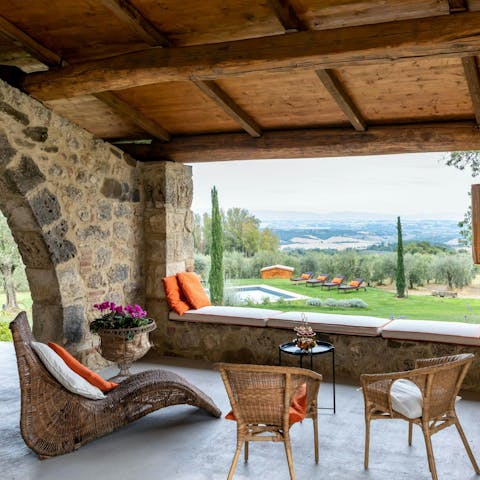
pixel 215 278
pixel 400 277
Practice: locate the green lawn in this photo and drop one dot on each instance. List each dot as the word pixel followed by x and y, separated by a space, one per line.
pixel 380 303
pixel 24 303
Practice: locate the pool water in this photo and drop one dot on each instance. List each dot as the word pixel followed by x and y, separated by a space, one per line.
pixel 258 294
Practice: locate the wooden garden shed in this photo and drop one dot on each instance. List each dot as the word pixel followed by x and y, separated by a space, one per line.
pixel 277 271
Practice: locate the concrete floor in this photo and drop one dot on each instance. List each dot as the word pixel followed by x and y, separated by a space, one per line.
pixel 184 443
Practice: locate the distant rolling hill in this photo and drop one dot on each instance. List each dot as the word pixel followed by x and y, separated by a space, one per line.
pixel 359 233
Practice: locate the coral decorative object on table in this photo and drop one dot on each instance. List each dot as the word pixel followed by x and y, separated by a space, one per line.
pixel 123 334
pixel 306 337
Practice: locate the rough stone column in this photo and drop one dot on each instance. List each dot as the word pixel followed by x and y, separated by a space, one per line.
pixel 168 234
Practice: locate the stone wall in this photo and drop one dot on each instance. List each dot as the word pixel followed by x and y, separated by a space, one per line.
pixel 354 355
pixel 75 208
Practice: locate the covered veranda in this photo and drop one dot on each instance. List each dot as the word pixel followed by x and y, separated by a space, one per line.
pixel 102 105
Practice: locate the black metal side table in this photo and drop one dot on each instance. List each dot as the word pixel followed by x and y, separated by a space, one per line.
pixel 320 348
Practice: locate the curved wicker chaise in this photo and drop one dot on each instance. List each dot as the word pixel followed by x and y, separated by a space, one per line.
pixel 55 421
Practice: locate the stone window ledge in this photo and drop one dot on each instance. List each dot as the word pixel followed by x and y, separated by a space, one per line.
pixel 417 330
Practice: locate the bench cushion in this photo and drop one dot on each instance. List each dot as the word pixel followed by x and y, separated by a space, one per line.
pixel 253 317
pixel 431 331
pixel 331 323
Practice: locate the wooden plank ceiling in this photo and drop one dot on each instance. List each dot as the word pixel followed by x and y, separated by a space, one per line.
pixel 242 79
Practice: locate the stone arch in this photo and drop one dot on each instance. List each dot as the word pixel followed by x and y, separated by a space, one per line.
pixel 90 222
pixel 74 206
pixel 41 274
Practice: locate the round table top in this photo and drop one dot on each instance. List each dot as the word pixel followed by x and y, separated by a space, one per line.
pixel 292 349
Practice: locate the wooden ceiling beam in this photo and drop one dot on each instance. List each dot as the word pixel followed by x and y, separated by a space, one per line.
pixel 126 110
pixel 458 6
pixel 129 14
pixel 213 91
pixel 287 16
pixel 337 91
pixel 51 59
pixel 448 35
pixel 29 44
pixel 313 143
pixel 472 75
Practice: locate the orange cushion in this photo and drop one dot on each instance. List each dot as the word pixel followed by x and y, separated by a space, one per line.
pixel 322 278
pixel 89 375
pixel 354 283
pixel 337 280
pixel 193 290
pixel 298 407
pixel 175 298
pixel 305 276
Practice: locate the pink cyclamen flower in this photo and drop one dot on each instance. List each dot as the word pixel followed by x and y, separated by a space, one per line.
pixel 119 309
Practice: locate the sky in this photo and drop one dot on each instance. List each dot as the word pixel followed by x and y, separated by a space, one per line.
pixel 412 185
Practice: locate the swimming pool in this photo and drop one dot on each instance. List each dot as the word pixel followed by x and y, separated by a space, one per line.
pixel 258 294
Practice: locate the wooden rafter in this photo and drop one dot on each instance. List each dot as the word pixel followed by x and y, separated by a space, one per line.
pixel 123 108
pixel 312 143
pixel 287 15
pixel 35 49
pixel 212 90
pixel 457 6
pixel 341 97
pixel 472 75
pixel 126 12
pixel 51 59
pixel 367 44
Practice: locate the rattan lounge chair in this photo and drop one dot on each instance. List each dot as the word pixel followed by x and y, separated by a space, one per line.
pixel 320 280
pixel 302 278
pixel 55 421
pixel 355 284
pixel 335 283
pixel 439 380
pixel 261 397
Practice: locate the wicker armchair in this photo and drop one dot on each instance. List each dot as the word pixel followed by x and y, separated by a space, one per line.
pixel 55 421
pixel 260 397
pixel 439 380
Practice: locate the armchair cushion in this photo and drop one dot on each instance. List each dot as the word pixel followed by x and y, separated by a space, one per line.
pixel 406 398
pixel 298 407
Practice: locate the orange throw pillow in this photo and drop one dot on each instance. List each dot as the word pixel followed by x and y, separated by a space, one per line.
pixel 175 299
pixel 322 278
pixel 354 283
pixel 337 280
pixel 305 276
pixel 193 290
pixel 298 407
pixel 89 375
